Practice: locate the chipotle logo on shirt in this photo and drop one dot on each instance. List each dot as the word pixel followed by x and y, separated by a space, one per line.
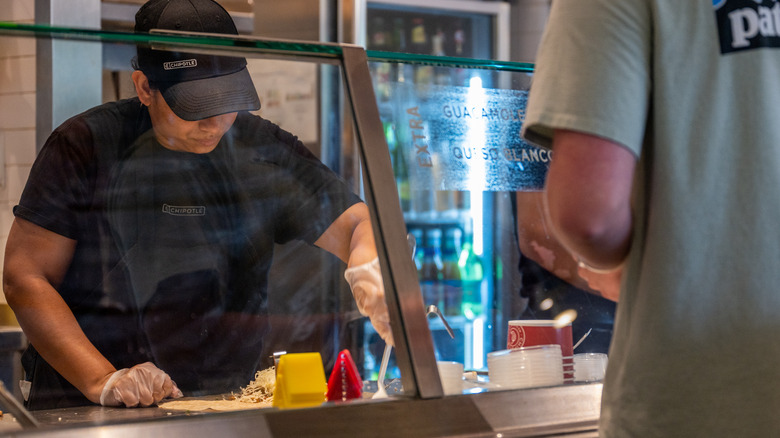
pixel 184 210
pixel 747 24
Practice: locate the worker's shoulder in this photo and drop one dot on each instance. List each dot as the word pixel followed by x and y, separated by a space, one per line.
pixel 107 117
pixel 125 109
pixel 267 142
pixel 102 132
pixel 261 130
pixel 252 125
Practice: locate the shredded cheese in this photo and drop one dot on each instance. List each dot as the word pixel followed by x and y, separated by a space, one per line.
pixel 261 389
pixel 258 394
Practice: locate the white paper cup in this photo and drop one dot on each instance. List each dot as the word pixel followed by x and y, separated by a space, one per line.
pixel 526 367
pixel 530 332
pixel 589 367
pixel 451 375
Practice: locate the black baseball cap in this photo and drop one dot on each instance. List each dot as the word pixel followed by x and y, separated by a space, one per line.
pixel 195 86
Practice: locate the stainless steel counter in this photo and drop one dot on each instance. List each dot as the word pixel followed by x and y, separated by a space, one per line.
pixel 570 410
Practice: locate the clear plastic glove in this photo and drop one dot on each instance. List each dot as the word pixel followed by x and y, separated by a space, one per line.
pixel 366 283
pixel 141 385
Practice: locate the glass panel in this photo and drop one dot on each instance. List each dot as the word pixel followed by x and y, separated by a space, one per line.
pixel 205 246
pixel 465 179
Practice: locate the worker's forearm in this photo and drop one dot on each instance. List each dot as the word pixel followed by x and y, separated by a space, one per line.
pixel 350 237
pixel 362 247
pixel 52 329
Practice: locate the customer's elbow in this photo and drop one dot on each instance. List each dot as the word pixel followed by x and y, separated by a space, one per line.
pixel 581 230
pixel 602 239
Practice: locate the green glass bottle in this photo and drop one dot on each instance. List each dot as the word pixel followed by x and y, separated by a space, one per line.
pixel 471 276
pixel 431 269
pixel 450 255
pixel 398 162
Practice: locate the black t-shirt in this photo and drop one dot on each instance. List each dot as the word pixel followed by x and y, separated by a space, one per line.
pixel 173 248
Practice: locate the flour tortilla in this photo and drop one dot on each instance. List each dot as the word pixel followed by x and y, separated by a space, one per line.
pixel 210 404
pixel 257 395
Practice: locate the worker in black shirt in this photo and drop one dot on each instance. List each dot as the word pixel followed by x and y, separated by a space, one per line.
pixel 137 263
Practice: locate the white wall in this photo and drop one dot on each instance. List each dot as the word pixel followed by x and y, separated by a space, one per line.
pixel 17 113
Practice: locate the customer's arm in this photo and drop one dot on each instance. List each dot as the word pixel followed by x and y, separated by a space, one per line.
pixel 588 196
pixel 537 242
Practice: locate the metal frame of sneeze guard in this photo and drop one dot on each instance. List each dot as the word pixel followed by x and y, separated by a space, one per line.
pixel 415 352
pixel 414 345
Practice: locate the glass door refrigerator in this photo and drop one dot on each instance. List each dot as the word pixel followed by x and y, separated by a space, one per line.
pixel 448 216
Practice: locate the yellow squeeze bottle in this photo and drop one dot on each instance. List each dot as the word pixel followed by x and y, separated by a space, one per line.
pixel 300 381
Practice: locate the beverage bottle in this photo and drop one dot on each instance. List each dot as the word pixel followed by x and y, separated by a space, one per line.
pixel 380 71
pixel 419 36
pixel 451 283
pixel 399 35
pixel 398 161
pixel 437 42
pixel 441 74
pixel 379 36
pixel 392 143
pixel 380 76
pixel 462 203
pixel 445 204
pixel 423 74
pixel 431 268
pixel 460 39
pixel 417 255
pixel 471 275
pixel 403 70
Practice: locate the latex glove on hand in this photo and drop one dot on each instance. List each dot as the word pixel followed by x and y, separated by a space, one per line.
pixel 142 385
pixel 366 283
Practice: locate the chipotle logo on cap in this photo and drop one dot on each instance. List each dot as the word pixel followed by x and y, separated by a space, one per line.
pixel 174 65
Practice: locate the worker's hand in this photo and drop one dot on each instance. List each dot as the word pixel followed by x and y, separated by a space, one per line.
pixel 366 283
pixel 141 385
